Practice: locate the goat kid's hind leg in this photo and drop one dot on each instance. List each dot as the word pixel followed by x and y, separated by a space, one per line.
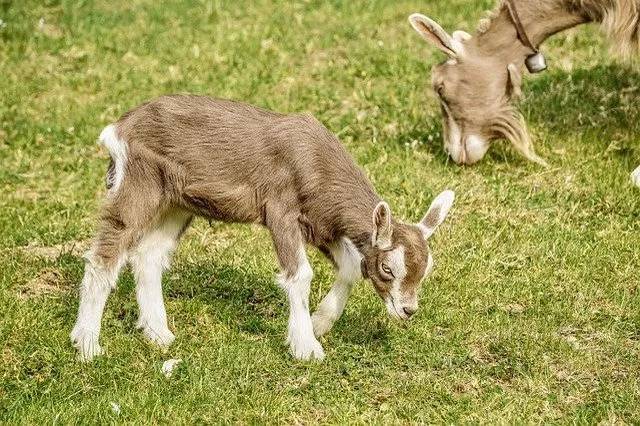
pixel 635 177
pixel 148 260
pixel 295 279
pixel 103 264
pixel 348 270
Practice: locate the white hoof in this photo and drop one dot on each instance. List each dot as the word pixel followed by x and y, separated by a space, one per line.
pixel 321 323
pixel 86 341
pixel 156 333
pixel 306 348
pixel 635 177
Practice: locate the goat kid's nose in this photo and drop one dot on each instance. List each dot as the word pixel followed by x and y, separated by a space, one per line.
pixel 409 310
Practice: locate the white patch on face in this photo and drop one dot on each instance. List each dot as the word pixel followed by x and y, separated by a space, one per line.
pixel 395 261
pixel 635 177
pixel 118 151
pixel 453 142
pixel 411 301
pixel 469 152
pixel 476 148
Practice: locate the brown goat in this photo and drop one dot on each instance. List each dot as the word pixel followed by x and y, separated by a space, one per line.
pixel 481 78
pixel 183 156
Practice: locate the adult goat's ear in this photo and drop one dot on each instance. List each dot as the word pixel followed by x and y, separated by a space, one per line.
pixel 437 213
pixel 461 36
pixel 514 81
pixel 381 237
pixel 434 34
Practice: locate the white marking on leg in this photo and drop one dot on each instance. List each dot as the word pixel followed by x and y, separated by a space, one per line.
pixel 347 260
pixel 118 150
pixel 300 335
pixel 97 283
pixel 635 177
pixel 398 301
pixel 150 258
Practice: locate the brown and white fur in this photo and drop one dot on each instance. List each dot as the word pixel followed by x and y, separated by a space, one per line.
pixel 478 83
pixel 182 156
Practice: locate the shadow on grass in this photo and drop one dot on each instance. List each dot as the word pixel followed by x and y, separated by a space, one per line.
pixel 250 302
pixel 243 300
pixel 237 296
pixel 363 327
pixel 605 97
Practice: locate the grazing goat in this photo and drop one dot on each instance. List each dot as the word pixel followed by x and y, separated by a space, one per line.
pixel 183 156
pixel 481 78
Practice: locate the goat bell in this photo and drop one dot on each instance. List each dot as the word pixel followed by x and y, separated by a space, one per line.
pixel 536 63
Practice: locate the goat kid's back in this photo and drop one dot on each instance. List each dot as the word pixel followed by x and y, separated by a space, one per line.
pixel 228 160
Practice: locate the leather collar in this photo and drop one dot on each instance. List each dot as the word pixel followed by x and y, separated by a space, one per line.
pixel 534 62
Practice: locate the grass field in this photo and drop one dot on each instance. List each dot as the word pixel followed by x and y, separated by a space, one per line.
pixel 532 314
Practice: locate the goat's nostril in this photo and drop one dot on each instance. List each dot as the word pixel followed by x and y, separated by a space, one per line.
pixel 409 310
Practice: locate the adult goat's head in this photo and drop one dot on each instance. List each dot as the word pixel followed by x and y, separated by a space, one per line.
pixel 476 90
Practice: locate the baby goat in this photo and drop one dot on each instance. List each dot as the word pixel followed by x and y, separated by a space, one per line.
pixel 180 156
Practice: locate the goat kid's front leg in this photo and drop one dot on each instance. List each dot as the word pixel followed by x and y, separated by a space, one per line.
pixel 295 279
pixel 635 177
pixel 347 259
pixel 297 285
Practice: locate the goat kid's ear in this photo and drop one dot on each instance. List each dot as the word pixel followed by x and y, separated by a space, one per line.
pixel 381 237
pixel 437 213
pixel 434 34
pixel 514 83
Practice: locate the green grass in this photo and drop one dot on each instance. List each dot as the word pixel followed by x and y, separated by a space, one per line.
pixel 532 314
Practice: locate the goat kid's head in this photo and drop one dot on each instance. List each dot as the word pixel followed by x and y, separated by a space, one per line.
pixel 476 93
pixel 400 258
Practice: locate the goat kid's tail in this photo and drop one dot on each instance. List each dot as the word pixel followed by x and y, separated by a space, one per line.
pixel 118 151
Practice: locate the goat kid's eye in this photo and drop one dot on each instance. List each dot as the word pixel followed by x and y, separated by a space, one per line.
pixel 387 270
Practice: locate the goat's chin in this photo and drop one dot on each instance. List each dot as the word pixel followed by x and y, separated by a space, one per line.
pixel 393 311
pixel 470 153
pixel 476 148
pixel 455 152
